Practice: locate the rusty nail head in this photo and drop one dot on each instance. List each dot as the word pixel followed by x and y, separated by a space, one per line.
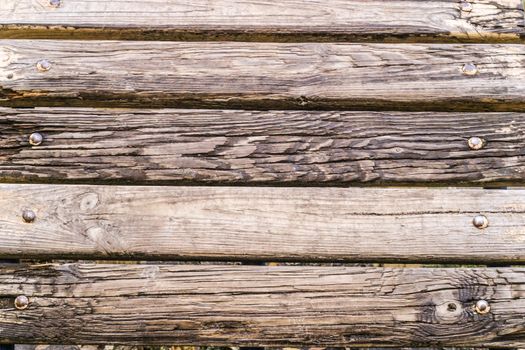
pixel 470 69
pixel 475 143
pixel 480 221
pixel 43 65
pixel 465 6
pixel 482 307
pixel 54 3
pixel 28 216
pixel 36 139
pixel 21 302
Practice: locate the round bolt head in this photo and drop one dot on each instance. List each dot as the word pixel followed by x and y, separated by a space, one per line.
pixel 470 69
pixel 465 6
pixel 36 139
pixel 28 215
pixel 21 302
pixel 54 3
pixel 475 143
pixel 480 221
pixel 43 65
pixel 482 307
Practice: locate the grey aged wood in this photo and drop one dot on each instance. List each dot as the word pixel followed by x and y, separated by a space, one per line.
pixel 262 75
pixel 416 20
pixel 262 223
pixel 149 146
pixel 267 306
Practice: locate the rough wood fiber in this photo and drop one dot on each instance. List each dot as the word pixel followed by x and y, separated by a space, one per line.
pixel 254 223
pixel 262 75
pixel 233 146
pixel 267 306
pixel 294 20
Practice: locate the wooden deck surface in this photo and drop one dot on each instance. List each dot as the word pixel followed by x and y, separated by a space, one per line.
pixel 141 106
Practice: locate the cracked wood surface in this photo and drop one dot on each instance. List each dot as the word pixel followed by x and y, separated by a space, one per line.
pixel 267 306
pixel 285 20
pixel 262 223
pixel 237 146
pixel 262 75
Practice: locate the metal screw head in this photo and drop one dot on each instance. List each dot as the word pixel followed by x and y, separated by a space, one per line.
pixel 465 6
pixel 54 3
pixel 43 65
pixel 470 69
pixel 482 307
pixel 21 302
pixel 28 215
pixel 475 143
pixel 36 139
pixel 480 221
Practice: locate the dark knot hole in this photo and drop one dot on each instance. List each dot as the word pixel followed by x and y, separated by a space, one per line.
pixel 452 307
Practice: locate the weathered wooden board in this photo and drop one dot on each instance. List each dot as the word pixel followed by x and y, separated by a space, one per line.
pixel 297 20
pixel 182 347
pixel 262 75
pixel 267 306
pixel 233 146
pixel 264 224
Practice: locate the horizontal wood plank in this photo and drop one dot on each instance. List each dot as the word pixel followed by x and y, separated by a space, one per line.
pixel 262 224
pixel 262 75
pixel 285 20
pixel 267 306
pixel 233 146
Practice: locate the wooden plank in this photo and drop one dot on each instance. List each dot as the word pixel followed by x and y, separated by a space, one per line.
pixel 231 146
pixel 286 20
pixel 267 306
pixel 262 224
pixel 187 347
pixel 262 75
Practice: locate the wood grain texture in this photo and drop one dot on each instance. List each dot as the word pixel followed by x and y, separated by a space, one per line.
pixel 267 306
pixel 262 224
pixel 262 75
pixel 170 146
pixel 297 20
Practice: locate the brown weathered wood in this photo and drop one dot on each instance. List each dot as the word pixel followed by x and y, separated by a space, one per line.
pixel 264 224
pixel 297 20
pixel 191 347
pixel 265 75
pixel 68 347
pixel 269 306
pixel 232 146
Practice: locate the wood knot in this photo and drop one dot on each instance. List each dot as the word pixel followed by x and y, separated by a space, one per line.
pixel 89 201
pixel 450 311
pixel 6 57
